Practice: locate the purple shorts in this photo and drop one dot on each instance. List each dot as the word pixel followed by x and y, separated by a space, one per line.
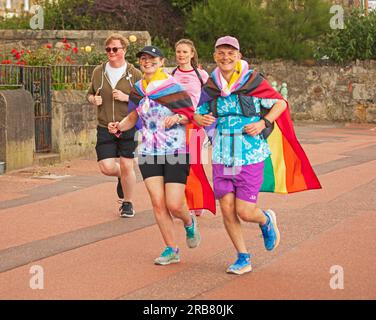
pixel 244 181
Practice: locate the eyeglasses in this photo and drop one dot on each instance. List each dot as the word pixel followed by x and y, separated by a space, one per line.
pixel 114 49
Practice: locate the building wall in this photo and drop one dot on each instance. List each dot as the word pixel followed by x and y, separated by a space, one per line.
pixel 16 6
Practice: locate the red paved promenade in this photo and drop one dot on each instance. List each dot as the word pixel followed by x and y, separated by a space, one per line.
pixel 69 226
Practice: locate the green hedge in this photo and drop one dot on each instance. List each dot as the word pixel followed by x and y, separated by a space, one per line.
pixel 356 41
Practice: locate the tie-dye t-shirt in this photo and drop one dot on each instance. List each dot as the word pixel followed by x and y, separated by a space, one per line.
pixel 156 139
pixel 232 146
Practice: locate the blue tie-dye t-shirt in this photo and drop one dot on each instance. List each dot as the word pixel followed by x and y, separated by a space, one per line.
pixel 156 139
pixel 232 146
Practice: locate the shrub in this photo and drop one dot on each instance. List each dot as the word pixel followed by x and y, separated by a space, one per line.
pixel 356 41
pixel 280 29
pixel 216 18
pixel 293 27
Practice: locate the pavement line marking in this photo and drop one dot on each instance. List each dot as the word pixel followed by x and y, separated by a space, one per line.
pixel 72 184
pixel 61 187
pixel 18 256
pixel 354 158
pixel 197 281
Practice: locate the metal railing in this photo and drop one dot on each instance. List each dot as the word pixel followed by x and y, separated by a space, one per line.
pixel 10 76
pixel 76 77
pixel 39 81
pixel 71 77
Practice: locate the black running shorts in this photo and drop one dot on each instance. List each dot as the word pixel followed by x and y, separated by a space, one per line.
pixel 174 168
pixel 110 146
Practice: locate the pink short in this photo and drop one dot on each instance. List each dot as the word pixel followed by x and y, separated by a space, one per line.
pixel 244 181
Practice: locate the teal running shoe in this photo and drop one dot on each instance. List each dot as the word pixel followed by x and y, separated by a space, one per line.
pixel 168 256
pixel 193 234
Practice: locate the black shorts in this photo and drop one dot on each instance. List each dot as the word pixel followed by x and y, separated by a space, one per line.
pixel 174 168
pixel 110 146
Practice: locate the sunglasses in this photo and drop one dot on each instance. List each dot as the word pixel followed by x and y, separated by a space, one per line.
pixel 114 49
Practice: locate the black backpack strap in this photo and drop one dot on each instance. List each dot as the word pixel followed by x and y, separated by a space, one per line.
pixel 213 107
pixel 247 106
pixel 197 73
pixel 174 71
pixel 199 76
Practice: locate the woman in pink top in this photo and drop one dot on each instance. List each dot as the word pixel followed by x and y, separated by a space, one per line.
pixel 189 76
pixel 187 72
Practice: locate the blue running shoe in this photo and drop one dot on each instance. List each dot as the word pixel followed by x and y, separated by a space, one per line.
pixel 193 234
pixel 270 231
pixel 242 264
pixel 168 256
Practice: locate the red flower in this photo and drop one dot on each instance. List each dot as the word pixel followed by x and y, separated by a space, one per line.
pixel 6 62
pixel 75 50
pixel 17 56
pixel 64 40
pixel 22 52
pixel 49 45
pixel 68 59
pixel 14 51
pixel 21 63
pixel 67 46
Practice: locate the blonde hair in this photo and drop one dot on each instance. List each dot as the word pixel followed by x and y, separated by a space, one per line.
pixel 194 60
pixel 117 36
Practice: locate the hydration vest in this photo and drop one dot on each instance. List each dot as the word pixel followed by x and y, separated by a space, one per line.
pixel 248 110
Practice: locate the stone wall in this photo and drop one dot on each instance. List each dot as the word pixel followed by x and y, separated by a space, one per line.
pixel 326 93
pixel 73 124
pixel 17 138
pixel 10 39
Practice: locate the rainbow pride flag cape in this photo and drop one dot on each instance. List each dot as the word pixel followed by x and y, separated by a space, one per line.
pixel 169 93
pixel 287 169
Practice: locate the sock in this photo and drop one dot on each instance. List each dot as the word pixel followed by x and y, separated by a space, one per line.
pixel 189 225
pixel 176 250
pixel 244 254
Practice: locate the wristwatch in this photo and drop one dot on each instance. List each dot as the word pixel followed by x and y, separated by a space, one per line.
pixel 180 117
pixel 268 124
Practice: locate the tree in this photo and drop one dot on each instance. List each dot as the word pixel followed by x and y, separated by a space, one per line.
pixel 216 18
pixel 356 41
pixel 295 27
pixel 270 29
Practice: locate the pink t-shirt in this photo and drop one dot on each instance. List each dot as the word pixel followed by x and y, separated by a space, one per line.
pixel 191 83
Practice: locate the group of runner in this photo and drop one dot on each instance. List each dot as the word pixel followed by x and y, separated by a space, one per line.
pixel 168 112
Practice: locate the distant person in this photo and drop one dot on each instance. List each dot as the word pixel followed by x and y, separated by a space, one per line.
pixel 110 87
pixel 163 109
pixel 192 78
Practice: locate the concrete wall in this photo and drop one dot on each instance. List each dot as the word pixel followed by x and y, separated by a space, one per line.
pixel 10 39
pixel 73 124
pixel 17 138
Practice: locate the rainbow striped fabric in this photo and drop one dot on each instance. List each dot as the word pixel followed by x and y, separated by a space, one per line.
pixel 165 90
pixel 288 169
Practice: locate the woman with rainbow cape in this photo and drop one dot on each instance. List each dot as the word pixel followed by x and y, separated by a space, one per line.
pixel 162 109
pixel 242 108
